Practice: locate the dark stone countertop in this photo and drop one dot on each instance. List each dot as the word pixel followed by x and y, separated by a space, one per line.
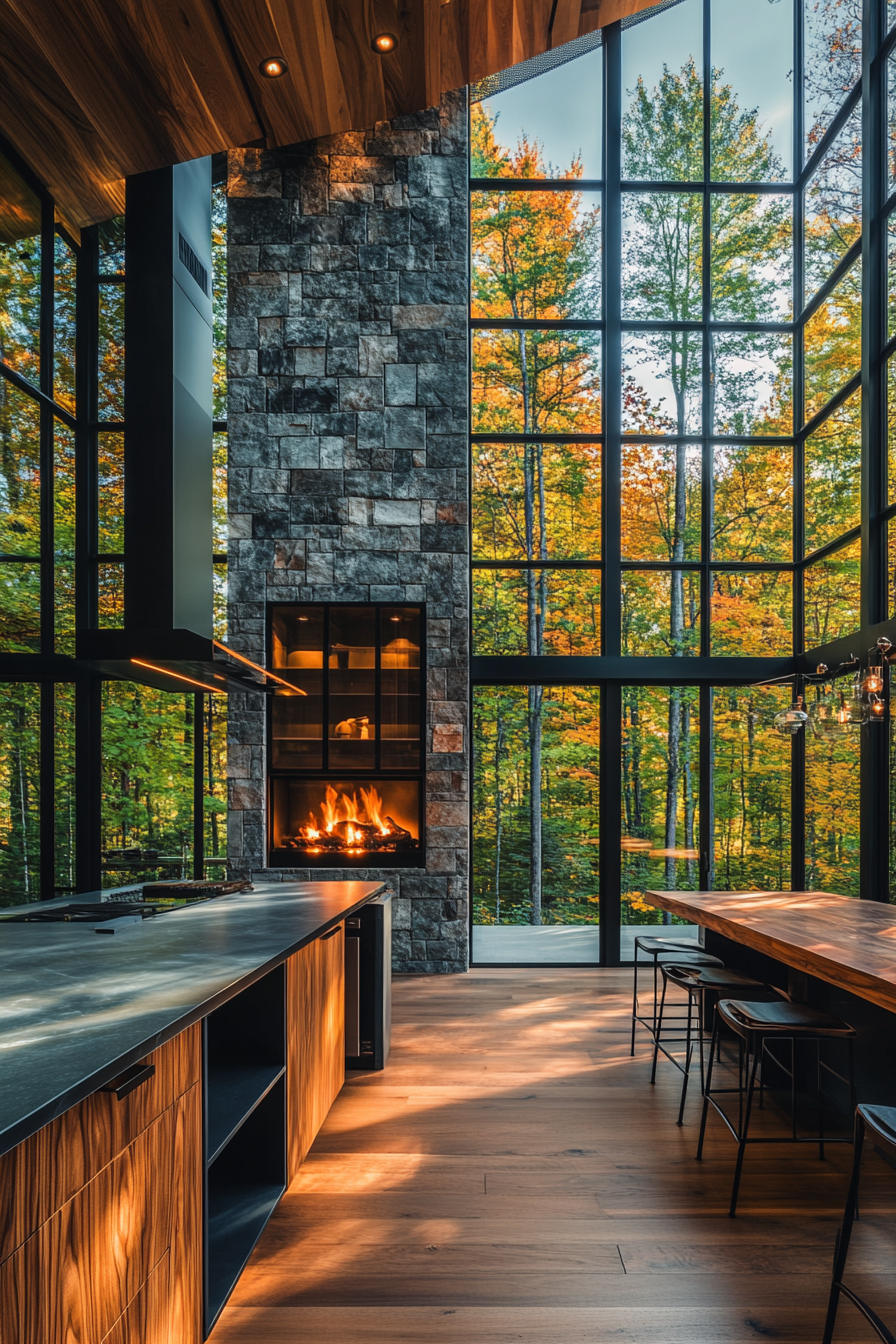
pixel 77 1007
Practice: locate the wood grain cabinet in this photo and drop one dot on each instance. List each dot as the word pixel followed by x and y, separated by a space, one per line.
pixel 101 1216
pixel 315 1040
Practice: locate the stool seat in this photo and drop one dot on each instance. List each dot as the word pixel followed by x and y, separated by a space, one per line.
pixel 881 1121
pixel 685 950
pixel 659 945
pixel 695 976
pixel 782 1018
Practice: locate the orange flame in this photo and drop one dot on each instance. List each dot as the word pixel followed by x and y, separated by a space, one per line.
pixel 339 807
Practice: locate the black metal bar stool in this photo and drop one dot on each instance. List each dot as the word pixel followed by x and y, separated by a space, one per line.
pixel 684 950
pixel 697 981
pixel 878 1123
pixel 757 1025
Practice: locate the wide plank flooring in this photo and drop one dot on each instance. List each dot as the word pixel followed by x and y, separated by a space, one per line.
pixel 512 1176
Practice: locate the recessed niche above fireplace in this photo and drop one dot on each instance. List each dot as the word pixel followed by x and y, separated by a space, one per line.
pixel 345 742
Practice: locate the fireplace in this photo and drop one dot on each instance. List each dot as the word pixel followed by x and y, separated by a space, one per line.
pixel 345 753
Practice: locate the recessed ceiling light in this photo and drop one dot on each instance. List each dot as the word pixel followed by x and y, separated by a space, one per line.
pixel 384 42
pixel 273 67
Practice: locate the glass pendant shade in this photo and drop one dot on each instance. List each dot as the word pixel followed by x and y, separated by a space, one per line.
pixel 877 710
pixel 829 715
pixel 873 682
pixel 791 720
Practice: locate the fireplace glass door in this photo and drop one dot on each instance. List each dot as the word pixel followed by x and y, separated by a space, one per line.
pixel 339 739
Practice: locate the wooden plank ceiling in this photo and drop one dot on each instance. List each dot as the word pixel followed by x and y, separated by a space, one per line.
pixel 93 91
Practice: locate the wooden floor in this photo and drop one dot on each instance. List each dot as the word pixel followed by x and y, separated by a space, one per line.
pixel 513 1177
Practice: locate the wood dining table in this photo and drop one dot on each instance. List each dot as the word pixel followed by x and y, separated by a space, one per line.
pixel 848 943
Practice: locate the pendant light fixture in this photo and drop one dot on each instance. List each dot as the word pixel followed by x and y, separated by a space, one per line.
pixel 791 720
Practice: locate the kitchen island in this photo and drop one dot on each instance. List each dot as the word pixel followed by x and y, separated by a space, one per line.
pixel 159 1088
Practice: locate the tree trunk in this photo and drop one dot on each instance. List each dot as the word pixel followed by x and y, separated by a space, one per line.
pixel 499 748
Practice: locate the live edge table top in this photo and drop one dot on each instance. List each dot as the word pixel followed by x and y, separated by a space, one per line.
pixel 849 943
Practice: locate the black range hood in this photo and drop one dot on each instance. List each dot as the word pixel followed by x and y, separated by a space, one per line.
pixel 174 660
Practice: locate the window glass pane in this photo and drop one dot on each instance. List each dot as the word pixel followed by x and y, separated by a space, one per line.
pixel 110 397
pixel 661 382
pixel 535 254
pixel 833 471
pixel 833 341
pixel 753 503
pixel 891 429
pixel 64 325
pixel 662 250
pixel 661 613
pixel 219 494
pixel 19 274
pixel 891 275
pixel 751 391
pixel 551 125
pixel 19 607
pixel 752 102
pixel 219 302
pixel 832 61
pixel 831 596
pixel 833 205
pixel 891 568
pixel 536 382
pixel 19 792
pixel 65 842
pixel 110 496
pixel 751 790
pixel 219 602
pixel 19 473
pixel 64 538
pixel 535 852
pixel 110 596
pixel 661 501
pixel 147 789
pixel 752 613
pixel 891 117
pixel 752 257
pixel 111 246
pixel 536 611
pixel 555 486
pixel 215 783
pixel 832 812
pixel 660 797
pixel 662 96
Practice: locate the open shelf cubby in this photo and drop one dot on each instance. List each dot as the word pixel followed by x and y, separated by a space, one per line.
pixel 245 1129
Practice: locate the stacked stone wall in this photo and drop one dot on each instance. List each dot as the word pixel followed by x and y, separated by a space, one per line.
pixel 348 457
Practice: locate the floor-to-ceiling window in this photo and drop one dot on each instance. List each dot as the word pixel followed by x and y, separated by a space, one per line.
pixel 678 359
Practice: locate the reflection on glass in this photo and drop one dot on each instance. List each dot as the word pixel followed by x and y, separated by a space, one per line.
pixel 660 797
pixel 536 853
pixel 215 780
pixel 536 500
pixel 19 792
pixel 110 595
pixel 65 835
pixel 19 473
pixel 752 102
pixel 753 503
pixel 750 388
pixel 20 263
pixel 751 790
pixel 147 784
pixel 110 236
pixel 661 382
pixel 297 652
pixel 661 62
pixel 832 61
pixel 891 275
pixel 219 601
pixel 219 494
pixel 752 613
pixel 891 430
pixel 536 611
pixel 891 117
pixel 400 645
pixel 662 249
pixel 535 254
pixel 751 257
pixel 351 663
pixel 832 813
pixel 19 607
pixel 833 341
pixel 64 325
pixel 549 126
pixel 831 595
pixel 833 204
pixel 833 457
pixel 536 382
pixel 661 613
pixel 219 301
pixel 661 501
pixel 110 493
pixel 64 537
pixel 110 392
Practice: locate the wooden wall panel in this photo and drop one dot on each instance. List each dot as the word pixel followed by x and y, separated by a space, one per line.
pixel 45 1171
pixel 315 1040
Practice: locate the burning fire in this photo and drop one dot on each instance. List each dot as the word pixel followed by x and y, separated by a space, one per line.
pixel 344 820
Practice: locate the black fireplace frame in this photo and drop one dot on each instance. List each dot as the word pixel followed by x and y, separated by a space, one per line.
pixel 278 857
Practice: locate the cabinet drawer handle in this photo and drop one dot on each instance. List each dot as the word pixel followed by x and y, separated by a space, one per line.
pixel 129 1081
pixel 331 934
